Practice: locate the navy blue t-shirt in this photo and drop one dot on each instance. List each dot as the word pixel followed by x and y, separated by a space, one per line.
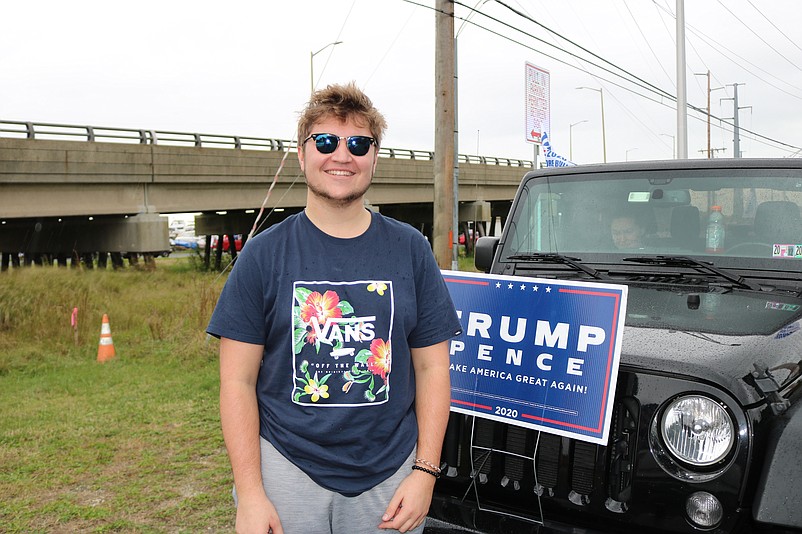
pixel 337 318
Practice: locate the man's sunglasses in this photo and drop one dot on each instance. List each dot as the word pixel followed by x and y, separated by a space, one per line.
pixel 326 143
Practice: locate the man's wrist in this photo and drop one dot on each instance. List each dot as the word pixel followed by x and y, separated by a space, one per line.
pixel 435 474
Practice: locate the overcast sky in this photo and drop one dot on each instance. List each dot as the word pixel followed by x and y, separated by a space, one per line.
pixel 242 67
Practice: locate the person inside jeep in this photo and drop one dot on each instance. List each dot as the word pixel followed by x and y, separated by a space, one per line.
pixel 627 233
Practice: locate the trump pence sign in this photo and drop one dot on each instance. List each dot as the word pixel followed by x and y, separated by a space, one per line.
pixel 537 353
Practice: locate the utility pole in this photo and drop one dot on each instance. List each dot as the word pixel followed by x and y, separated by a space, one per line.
pixel 709 150
pixel 712 151
pixel 682 99
pixel 443 133
pixel 736 140
pixel 737 200
pixel 455 181
pixel 709 147
pixel 455 169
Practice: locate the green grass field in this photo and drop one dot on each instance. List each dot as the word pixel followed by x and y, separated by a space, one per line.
pixel 129 445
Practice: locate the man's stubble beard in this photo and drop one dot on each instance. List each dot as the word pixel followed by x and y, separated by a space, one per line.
pixel 339 202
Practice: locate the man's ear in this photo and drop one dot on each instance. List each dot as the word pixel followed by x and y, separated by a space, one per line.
pixel 301 157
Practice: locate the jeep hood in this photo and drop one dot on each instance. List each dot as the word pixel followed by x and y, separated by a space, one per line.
pixel 715 336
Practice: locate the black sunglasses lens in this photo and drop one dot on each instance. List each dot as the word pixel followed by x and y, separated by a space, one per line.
pixel 326 143
pixel 359 144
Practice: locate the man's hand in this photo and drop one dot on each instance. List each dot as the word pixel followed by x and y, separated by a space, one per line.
pixel 257 516
pixel 410 503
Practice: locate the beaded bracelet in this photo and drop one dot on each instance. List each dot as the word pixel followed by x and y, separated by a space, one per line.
pixel 435 474
pixel 430 465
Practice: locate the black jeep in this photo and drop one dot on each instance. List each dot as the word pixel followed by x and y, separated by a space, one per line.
pixel 706 431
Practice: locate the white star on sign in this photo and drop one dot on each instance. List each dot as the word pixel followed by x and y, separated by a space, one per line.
pixel 523 287
pixel 509 286
pixel 548 290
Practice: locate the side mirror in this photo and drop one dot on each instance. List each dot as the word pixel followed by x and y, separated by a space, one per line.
pixel 484 252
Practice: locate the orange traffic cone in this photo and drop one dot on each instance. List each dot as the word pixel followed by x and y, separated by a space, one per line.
pixel 105 349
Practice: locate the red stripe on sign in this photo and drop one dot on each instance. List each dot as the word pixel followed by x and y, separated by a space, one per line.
pixel 555 422
pixel 471 404
pixel 472 282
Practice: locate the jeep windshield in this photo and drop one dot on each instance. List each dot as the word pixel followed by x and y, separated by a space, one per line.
pixel 738 227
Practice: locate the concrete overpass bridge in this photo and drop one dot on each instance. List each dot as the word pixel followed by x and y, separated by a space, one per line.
pixel 71 191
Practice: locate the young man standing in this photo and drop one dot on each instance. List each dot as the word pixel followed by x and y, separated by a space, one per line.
pixel 334 365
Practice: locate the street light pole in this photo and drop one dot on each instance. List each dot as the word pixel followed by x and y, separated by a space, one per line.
pixel 604 137
pixel 673 145
pixel 571 139
pixel 312 63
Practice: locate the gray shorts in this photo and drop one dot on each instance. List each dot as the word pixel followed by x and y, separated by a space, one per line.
pixel 304 507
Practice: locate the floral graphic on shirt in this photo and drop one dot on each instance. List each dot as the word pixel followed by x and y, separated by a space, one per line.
pixel 379 359
pixel 334 344
pixel 378 287
pixel 376 364
pixel 313 386
pixel 313 311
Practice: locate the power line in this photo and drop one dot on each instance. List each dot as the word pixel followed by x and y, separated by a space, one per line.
pixel 648 85
pixel 656 58
pixel 709 41
pixel 645 85
pixel 774 25
pixel 530 19
pixel 392 44
pixel 758 36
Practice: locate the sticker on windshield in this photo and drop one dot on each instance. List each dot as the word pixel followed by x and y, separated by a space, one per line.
pixel 638 196
pixel 786 251
pixel 782 306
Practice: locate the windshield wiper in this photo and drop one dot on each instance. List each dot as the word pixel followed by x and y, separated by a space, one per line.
pixel 543 257
pixel 685 261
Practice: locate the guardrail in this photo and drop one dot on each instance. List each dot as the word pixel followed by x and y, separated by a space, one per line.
pixel 49 131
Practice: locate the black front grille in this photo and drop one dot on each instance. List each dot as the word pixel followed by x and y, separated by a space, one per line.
pixel 504 454
pixel 517 471
pixel 514 465
pixel 548 460
pixel 583 465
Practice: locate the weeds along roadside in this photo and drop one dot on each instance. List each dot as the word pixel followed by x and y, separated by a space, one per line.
pixel 147 310
pixel 130 445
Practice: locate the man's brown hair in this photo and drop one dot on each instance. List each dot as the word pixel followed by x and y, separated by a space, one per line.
pixel 342 102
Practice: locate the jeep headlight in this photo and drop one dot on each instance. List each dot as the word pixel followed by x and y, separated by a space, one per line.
pixel 697 430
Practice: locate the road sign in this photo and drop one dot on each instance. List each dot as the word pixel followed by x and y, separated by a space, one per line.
pixel 538 113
